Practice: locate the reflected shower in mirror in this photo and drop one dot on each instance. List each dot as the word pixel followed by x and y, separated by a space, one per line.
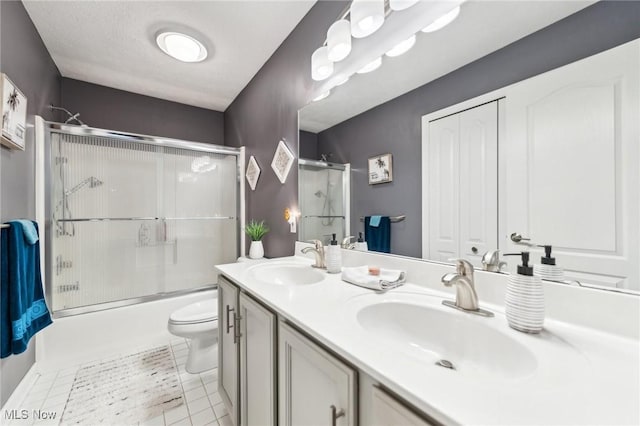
pixel 561 171
pixel 323 196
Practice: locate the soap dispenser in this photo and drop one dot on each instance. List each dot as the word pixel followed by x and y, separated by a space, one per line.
pixel 334 257
pixel 524 302
pixel 548 270
pixel 361 244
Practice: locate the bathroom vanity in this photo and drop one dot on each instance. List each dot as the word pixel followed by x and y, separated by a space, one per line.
pixel 300 346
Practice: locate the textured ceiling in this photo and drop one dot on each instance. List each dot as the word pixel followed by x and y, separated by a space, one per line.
pixel 112 43
pixel 481 28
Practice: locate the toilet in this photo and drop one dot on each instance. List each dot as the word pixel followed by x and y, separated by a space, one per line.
pixel 198 322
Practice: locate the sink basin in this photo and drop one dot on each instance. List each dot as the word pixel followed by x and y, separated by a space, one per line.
pixel 286 274
pixel 432 332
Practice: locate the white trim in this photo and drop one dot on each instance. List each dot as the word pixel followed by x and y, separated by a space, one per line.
pixel 243 201
pixel 22 390
pixel 40 203
pixel 346 185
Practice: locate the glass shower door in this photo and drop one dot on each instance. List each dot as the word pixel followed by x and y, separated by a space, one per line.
pixel 132 220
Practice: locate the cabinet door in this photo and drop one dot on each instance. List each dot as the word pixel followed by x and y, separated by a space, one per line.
pixel 257 364
pixel 315 388
pixel 387 411
pixel 228 352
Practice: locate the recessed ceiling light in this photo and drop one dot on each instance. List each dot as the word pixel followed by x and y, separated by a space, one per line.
pixel 181 46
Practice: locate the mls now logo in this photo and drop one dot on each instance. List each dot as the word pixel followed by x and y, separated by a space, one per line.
pixel 26 414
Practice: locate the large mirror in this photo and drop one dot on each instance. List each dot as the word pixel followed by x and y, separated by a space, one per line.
pixel 543 158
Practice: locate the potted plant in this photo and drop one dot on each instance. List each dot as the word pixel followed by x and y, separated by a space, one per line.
pixel 256 230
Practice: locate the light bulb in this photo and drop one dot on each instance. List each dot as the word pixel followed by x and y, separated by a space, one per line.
pixel 402 47
pixel 371 66
pixel 442 21
pixel 321 66
pixel 366 17
pixel 339 40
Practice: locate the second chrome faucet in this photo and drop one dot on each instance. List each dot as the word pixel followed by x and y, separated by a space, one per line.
pixel 466 296
pixel 318 250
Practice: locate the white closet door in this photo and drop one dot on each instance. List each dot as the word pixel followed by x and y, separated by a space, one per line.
pixel 572 165
pixel 443 159
pixel 478 182
pixel 463 184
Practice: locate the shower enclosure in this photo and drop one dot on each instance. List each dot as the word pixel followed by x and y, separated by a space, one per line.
pixel 323 193
pixel 132 218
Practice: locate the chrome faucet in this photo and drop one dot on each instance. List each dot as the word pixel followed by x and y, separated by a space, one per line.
pixel 318 251
pixel 347 243
pixel 466 296
pixel 491 261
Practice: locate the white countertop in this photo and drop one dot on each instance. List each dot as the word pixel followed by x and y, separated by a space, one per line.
pixel 577 375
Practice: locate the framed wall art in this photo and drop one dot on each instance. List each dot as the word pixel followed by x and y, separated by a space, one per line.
pixel 380 169
pixel 14 114
pixel 253 173
pixel 282 161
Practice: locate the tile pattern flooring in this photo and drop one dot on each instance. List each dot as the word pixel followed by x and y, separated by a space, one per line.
pixel 203 405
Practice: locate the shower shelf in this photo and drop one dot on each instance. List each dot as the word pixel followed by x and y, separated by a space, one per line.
pixel 115 219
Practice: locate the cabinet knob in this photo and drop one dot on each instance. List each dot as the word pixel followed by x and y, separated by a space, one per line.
pixel 336 414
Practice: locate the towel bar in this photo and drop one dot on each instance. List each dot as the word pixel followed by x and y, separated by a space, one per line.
pixel 393 219
pixel 5 225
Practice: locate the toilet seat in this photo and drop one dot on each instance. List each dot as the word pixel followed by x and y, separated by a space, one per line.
pixel 196 313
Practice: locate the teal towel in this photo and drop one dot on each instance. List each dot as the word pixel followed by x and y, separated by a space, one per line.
pixel 29 230
pixel 375 221
pixel 23 311
pixel 378 237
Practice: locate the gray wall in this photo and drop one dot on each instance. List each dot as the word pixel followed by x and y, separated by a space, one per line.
pixel 395 126
pixel 28 64
pixel 266 111
pixel 108 108
pixel 308 145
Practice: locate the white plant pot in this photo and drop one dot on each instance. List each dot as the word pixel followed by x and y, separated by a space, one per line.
pixel 256 250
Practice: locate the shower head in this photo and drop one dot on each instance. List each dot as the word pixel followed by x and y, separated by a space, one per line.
pixel 91 181
pixel 94 181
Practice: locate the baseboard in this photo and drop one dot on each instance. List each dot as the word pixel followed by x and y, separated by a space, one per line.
pixel 21 391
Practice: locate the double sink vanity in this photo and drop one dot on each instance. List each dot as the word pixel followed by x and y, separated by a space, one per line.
pixel 300 346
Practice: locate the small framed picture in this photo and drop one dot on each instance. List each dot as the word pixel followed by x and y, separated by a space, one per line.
pixel 380 169
pixel 253 173
pixel 14 114
pixel 282 161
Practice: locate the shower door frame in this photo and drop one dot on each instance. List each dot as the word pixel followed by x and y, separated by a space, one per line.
pixel 44 150
pixel 346 188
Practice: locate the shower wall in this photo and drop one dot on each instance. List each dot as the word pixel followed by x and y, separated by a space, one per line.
pixel 133 220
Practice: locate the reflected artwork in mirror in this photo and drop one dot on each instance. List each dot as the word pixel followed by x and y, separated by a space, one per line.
pixel 550 156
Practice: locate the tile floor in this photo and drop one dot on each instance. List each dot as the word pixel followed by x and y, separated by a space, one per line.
pixel 203 405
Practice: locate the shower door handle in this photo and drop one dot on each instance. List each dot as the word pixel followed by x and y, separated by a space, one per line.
pixel 229 326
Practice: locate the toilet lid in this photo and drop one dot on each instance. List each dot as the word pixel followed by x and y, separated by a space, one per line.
pixel 206 310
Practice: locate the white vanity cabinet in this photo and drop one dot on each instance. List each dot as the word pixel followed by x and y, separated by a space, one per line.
pixel 258 380
pixel 388 411
pixel 247 363
pixel 315 388
pixel 228 348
